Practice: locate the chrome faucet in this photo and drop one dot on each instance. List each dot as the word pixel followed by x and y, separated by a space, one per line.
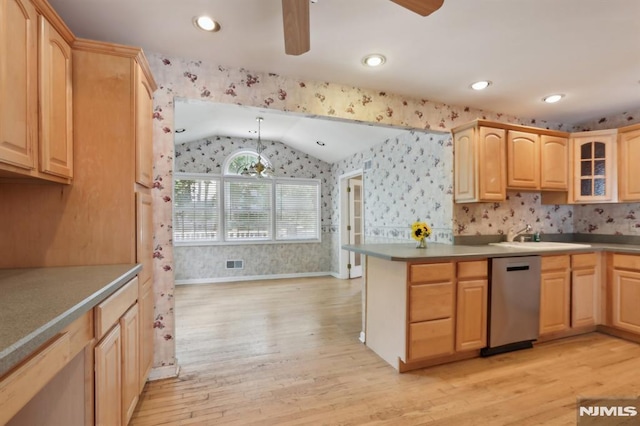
pixel 512 233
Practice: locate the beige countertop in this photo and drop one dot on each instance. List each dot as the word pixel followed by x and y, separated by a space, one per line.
pixel 37 303
pixel 435 251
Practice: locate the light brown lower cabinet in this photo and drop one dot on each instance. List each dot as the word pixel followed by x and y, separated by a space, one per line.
pixel 471 305
pixel 584 290
pixel 625 292
pixel 117 356
pixel 555 294
pixel 108 379
pixel 431 338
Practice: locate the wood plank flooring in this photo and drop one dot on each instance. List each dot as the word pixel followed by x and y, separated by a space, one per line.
pixel 286 352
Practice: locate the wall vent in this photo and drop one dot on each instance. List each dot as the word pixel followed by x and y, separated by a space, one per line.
pixel 235 264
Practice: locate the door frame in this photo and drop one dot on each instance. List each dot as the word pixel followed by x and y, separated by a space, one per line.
pixel 343 236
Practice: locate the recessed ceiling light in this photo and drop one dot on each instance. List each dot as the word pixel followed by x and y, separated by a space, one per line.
pixel 320 143
pixel 181 130
pixel 481 85
pixel 552 99
pixel 374 60
pixel 206 23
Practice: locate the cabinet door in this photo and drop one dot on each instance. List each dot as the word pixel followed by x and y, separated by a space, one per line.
pixel 464 183
pixel 523 160
pixel 56 136
pixel 629 155
pixel 626 300
pixel 108 379
pixel 554 163
pixel 471 315
pixel 594 166
pixel 18 83
pixel 430 338
pixel 130 327
pixel 583 297
pixel 144 129
pixel 491 165
pixel 555 292
pixel 144 235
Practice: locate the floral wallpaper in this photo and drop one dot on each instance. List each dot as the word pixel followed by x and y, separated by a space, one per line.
pixel 208 263
pixel 519 209
pixel 410 178
pixel 192 79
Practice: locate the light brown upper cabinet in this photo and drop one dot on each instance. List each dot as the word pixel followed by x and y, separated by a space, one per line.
pixel 537 161
pixel 523 160
pixel 18 86
pixel 594 167
pixel 479 163
pixel 35 93
pixel 628 157
pixel 554 163
pixel 144 136
pixel 56 136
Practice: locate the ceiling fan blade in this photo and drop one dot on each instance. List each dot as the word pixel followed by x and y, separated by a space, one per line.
pixel 421 7
pixel 295 17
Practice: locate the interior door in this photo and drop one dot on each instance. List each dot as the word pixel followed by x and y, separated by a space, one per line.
pixel 355 225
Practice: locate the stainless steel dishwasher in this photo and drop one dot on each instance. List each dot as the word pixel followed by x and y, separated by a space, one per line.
pixel 514 304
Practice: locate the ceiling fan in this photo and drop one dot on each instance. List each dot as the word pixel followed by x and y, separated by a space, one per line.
pixel 295 17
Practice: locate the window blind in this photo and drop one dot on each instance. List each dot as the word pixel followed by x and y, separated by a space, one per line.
pixel 297 212
pixel 247 209
pixel 196 209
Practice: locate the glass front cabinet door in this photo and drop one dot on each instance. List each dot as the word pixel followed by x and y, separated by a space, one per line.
pixel 594 166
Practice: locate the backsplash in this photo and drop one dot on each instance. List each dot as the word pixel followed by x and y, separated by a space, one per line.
pixel 519 209
pixel 607 219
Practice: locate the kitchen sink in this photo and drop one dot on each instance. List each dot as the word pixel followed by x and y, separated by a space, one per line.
pixel 542 245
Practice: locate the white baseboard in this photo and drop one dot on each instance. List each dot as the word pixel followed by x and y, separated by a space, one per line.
pixel 362 337
pixel 165 372
pixel 253 278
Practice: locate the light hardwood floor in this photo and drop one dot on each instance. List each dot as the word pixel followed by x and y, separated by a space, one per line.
pixel 286 352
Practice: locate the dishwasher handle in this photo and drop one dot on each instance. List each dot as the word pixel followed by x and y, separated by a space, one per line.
pixel 518 268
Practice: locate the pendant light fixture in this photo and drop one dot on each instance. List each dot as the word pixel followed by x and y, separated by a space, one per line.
pixel 260 168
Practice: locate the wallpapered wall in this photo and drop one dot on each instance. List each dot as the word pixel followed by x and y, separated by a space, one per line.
pixel 411 178
pixel 178 77
pixel 207 263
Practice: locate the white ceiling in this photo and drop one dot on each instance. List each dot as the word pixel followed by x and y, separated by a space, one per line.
pixel 202 119
pixel 586 49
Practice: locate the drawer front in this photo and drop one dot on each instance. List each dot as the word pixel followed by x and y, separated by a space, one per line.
pixel 550 263
pixel 110 310
pixel 432 272
pixel 585 260
pixel 430 338
pixel 474 269
pixel 626 261
pixel 430 301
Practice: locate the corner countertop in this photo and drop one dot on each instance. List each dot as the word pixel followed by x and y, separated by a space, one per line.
pixel 435 251
pixel 38 303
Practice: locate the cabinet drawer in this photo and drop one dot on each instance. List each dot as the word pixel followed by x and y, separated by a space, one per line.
pixel 430 338
pixel 430 301
pixel 432 272
pixel 109 311
pixel 626 261
pixel 550 263
pixel 474 269
pixel 585 260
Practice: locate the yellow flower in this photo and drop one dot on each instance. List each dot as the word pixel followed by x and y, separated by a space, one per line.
pixel 420 231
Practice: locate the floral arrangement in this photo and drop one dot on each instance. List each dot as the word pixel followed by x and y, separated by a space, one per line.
pixel 419 232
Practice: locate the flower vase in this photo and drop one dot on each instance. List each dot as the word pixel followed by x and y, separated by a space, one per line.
pixel 422 243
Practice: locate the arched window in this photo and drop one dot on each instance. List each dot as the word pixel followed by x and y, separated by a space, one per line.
pixel 240 160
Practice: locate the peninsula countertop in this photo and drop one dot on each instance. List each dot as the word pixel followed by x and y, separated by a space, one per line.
pixel 407 252
pixel 37 303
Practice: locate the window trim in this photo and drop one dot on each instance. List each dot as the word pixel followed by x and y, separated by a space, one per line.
pixel 221 210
